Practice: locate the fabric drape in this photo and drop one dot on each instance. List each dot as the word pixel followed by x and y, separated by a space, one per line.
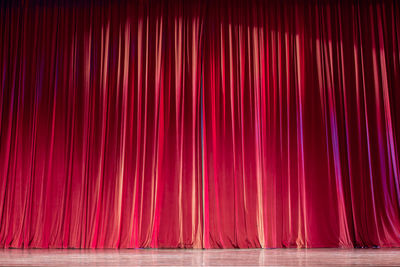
pixel 199 124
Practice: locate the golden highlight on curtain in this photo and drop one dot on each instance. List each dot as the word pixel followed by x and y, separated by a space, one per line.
pixel 204 124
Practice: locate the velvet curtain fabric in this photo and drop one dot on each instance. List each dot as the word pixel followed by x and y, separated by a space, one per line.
pixel 200 124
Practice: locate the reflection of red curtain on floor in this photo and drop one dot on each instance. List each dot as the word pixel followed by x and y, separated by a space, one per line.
pixel 212 124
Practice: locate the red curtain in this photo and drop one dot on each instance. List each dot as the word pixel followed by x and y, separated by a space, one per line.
pixel 209 124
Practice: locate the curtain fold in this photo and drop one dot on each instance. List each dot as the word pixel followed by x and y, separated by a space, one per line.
pixel 191 124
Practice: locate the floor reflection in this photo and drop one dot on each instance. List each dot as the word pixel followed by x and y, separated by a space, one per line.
pixel 197 257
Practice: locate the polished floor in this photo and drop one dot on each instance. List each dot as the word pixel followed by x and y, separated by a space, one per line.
pixel 197 257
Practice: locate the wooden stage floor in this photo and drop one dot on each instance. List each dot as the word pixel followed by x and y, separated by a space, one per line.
pixel 197 257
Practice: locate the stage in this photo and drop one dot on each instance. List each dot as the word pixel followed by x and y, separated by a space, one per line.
pixel 208 125
pixel 198 257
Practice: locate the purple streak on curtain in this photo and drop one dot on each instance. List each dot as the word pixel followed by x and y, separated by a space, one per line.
pixel 202 124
